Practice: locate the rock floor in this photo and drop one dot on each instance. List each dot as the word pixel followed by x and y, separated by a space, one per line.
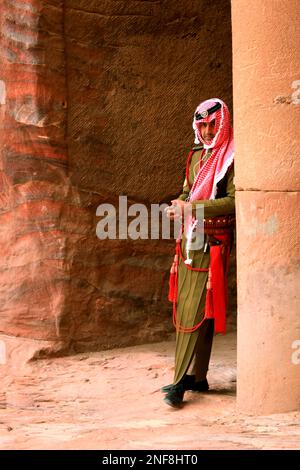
pixel 112 400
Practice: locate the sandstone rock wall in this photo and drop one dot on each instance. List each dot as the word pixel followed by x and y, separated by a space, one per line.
pixel 96 100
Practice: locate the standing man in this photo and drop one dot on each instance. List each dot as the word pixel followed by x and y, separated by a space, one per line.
pixel 200 276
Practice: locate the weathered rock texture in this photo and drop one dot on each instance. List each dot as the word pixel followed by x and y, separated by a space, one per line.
pixel 96 100
pixel 266 56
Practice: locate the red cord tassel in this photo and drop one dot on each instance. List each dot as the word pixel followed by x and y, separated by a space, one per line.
pixel 172 280
pixel 172 296
pixel 209 306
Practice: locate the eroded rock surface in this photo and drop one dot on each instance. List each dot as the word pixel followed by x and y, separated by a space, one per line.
pixel 96 100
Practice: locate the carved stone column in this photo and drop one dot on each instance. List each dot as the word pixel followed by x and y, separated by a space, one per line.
pixel 266 84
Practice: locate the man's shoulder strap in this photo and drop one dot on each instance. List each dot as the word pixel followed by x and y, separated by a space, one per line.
pixel 197 147
pixel 190 155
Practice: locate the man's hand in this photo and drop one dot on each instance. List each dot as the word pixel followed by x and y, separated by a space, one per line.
pixel 175 211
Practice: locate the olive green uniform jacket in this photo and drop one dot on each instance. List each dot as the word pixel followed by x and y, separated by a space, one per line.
pixel 192 284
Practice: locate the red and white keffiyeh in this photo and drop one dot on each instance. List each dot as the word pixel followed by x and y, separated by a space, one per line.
pixel 215 168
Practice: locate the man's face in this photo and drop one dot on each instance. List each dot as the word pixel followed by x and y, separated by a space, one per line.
pixel 208 131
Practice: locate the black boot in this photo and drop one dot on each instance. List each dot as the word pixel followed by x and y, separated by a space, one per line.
pixel 201 386
pixel 175 395
pixel 189 383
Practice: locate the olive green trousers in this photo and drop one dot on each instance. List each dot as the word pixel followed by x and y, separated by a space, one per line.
pixel 203 350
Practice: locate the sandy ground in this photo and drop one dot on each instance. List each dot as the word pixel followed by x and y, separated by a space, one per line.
pixel 112 400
